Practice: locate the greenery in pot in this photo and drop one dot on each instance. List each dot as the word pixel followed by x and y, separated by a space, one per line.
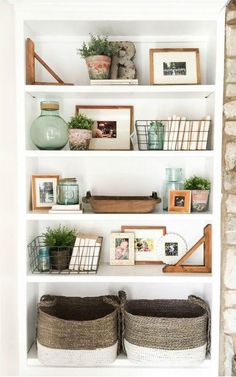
pixel 98 45
pixel 59 237
pixel 197 183
pixel 81 122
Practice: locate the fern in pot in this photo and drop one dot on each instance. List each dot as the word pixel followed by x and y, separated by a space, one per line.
pixel 80 132
pixel 200 188
pixel 98 53
pixel 60 241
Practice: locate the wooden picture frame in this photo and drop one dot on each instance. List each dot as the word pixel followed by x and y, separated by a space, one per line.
pixel 163 69
pixel 142 256
pixel 122 249
pixel 118 130
pixel 179 201
pixel 43 198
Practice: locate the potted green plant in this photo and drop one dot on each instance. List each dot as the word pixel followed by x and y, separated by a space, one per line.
pixel 200 188
pixel 80 132
pixel 98 53
pixel 60 241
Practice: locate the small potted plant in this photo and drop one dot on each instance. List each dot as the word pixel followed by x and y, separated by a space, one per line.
pixel 60 241
pixel 80 132
pixel 200 188
pixel 98 53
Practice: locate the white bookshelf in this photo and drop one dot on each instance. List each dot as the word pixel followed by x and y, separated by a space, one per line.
pixel 57 33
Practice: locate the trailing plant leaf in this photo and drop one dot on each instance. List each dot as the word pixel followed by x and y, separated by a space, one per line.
pixel 197 183
pixel 98 45
pixel 81 122
pixel 61 236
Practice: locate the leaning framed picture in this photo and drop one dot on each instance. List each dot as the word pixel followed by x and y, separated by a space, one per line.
pixel 122 249
pixel 112 126
pixel 174 66
pixel 44 191
pixel 172 247
pixel 145 243
pixel 179 201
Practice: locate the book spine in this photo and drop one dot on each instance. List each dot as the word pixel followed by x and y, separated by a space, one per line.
pixel 74 254
pixel 96 256
pixel 194 135
pixel 167 132
pixel 206 132
pixel 186 136
pixel 181 133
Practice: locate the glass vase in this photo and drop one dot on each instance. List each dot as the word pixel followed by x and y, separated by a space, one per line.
pixel 174 181
pixel 155 136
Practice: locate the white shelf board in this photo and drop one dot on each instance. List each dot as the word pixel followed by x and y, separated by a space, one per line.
pixel 119 91
pixel 143 154
pixel 121 361
pixel 45 216
pixel 122 274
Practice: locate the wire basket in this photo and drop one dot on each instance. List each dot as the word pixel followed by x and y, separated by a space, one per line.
pixel 64 259
pixel 169 135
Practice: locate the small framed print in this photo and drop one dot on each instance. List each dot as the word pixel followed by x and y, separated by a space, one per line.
pixel 122 249
pixel 145 243
pixel 172 248
pixel 174 66
pixel 44 191
pixel 179 201
pixel 112 126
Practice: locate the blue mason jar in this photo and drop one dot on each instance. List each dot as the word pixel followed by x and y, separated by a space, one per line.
pixel 68 191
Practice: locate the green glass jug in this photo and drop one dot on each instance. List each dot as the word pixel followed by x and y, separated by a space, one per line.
pixel 49 130
pixel 155 136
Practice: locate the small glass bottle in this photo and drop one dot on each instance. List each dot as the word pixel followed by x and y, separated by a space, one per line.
pixel 43 259
pixel 174 181
pixel 68 191
pixel 49 131
pixel 155 136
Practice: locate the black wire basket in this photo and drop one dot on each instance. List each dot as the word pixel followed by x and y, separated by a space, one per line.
pixel 173 135
pixel 64 259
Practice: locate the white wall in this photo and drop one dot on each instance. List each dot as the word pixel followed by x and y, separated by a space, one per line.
pixel 8 203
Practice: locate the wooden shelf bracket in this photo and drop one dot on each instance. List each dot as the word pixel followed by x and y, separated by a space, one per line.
pixel 206 241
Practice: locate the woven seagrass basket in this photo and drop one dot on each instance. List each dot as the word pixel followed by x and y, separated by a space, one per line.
pixel 166 332
pixel 74 331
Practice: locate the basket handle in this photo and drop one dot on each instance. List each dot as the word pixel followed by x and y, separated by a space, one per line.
pixel 46 301
pixel 199 301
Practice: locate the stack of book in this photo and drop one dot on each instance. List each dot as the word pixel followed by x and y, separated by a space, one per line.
pixel 86 252
pixel 61 208
pixel 182 134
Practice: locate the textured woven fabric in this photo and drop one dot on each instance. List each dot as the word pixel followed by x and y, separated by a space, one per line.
pixel 73 358
pixel 167 324
pixel 75 323
pixel 160 357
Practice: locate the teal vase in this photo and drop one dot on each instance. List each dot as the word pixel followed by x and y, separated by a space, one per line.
pixel 49 131
pixel 155 136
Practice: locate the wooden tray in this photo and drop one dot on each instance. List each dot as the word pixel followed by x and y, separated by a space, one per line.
pixel 122 204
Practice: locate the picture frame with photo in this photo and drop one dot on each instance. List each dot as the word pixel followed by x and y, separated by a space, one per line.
pixel 174 66
pixel 122 249
pixel 179 201
pixel 112 126
pixel 145 242
pixel 172 247
pixel 44 191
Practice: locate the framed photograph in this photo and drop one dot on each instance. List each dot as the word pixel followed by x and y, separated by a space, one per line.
pixel 174 66
pixel 44 191
pixel 122 249
pixel 145 243
pixel 112 126
pixel 179 201
pixel 172 247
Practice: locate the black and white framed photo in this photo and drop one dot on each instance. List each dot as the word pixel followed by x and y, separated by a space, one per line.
pixel 112 126
pixel 172 247
pixel 174 66
pixel 122 249
pixel 44 191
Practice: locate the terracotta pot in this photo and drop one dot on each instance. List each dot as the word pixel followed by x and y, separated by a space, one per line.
pixel 98 67
pixel 79 139
pixel 60 259
pixel 200 200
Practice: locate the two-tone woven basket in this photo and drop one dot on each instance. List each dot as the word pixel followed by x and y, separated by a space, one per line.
pixel 74 331
pixel 166 332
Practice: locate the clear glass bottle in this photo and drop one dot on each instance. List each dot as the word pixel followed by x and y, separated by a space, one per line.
pixel 174 181
pixel 68 191
pixel 155 136
pixel 49 131
pixel 43 259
